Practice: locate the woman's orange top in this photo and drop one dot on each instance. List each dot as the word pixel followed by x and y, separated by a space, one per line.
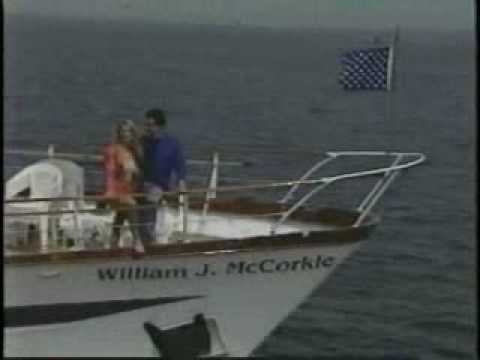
pixel 120 170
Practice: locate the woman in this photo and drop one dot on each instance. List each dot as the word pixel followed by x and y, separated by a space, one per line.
pixel 122 161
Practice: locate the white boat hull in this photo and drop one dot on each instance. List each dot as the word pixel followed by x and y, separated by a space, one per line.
pixel 247 294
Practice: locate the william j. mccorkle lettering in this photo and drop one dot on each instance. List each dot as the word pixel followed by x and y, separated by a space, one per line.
pixel 141 273
pixel 306 263
pixel 238 267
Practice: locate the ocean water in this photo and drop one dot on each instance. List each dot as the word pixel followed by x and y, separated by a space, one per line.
pixel 271 97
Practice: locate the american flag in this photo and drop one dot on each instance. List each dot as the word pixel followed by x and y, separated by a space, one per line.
pixel 366 69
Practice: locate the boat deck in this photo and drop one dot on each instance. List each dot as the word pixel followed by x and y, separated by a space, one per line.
pixel 57 218
pixel 200 228
pixel 245 227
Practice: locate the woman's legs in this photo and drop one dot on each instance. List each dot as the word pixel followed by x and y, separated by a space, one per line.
pixel 118 220
pixel 131 214
pixel 134 221
pixel 146 217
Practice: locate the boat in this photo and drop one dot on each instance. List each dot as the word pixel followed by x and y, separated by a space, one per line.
pixel 224 272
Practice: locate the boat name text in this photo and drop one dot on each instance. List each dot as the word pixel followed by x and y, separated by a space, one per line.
pixel 231 268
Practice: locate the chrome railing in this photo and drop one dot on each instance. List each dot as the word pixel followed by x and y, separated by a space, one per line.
pixel 389 173
pixel 401 161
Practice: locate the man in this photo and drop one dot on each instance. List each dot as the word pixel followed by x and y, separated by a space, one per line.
pixel 163 165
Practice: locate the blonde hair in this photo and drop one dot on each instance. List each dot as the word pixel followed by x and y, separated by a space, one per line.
pixel 117 133
pixel 134 144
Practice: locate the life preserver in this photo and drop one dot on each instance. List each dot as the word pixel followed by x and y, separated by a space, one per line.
pixel 116 161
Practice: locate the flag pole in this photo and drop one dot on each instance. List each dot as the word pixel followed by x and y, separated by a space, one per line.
pixel 390 78
pixel 391 60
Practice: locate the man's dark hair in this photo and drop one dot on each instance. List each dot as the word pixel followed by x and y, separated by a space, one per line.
pixel 158 117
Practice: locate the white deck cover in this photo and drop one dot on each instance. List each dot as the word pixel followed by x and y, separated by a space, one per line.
pixel 51 178
pixel 48 178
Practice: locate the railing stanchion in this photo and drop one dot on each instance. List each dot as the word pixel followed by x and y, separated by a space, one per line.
pixel 305 176
pixel 378 184
pixel 51 151
pixel 211 193
pixel 299 203
pixel 76 225
pixel 375 198
pixel 185 218
pixel 183 214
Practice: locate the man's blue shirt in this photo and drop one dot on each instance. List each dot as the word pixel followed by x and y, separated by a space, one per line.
pixel 163 157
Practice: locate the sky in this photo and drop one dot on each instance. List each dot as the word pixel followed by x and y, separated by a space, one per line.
pixel 432 14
